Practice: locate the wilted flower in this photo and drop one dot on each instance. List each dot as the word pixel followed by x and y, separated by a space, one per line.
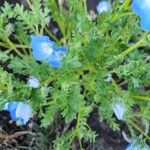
pixel 33 82
pixel 46 50
pixel 137 146
pixel 103 6
pixel 119 110
pixel 142 9
pixel 19 111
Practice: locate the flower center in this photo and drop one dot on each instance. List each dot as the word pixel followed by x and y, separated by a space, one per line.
pixel 46 49
pixel 59 55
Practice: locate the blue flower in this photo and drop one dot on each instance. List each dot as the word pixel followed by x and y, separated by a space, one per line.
pixel 145 23
pixel 45 50
pixel 136 146
pixel 142 9
pixel 33 82
pixel 103 6
pixel 119 110
pixel 19 111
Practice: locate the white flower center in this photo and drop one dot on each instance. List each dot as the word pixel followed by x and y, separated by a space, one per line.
pixel 46 49
pixel 103 6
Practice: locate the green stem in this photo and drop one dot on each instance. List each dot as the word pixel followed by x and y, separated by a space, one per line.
pixel 138 128
pixel 51 35
pixel 29 3
pixel 85 7
pixel 125 5
pixel 76 130
pixel 58 19
pixel 4 45
pixel 117 16
pixel 145 98
pixel 117 88
pixel 127 51
pixel 136 45
pixel 21 46
pixel 81 147
pixel 12 45
pixel 49 103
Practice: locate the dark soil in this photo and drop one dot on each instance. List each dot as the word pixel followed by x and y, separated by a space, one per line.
pixel 33 137
pixel 107 139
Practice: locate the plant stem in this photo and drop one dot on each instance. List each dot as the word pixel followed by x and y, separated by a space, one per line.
pixel 127 51
pixel 76 130
pixel 51 35
pixel 117 88
pixel 85 7
pixel 12 45
pixel 126 4
pixel 117 16
pixel 29 3
pixel 145 98
pixel 136 45
pixel 138 128
pixel 21 46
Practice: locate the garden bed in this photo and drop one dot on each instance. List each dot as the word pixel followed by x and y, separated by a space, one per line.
pixel 75 99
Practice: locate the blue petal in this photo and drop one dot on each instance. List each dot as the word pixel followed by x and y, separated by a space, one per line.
pixel 12 106
pixel 60 48
pixel 13 115
pixel 145 23
pixel 136 6
pixel 54 62
pixel 60 52
pixel 36 45
pixel 19 111
pixel 40 38
pixel 141 7
pixel 23 112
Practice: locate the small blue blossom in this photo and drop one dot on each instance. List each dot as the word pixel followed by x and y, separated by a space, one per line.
pixel 136 146
pixel 119 110
pixel 19 111
pixel 142 9
pixel 103 6
pixel 109 78
pixel 45 50
pixel 33 82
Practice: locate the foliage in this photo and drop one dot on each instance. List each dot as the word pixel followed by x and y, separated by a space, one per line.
pixel 113 43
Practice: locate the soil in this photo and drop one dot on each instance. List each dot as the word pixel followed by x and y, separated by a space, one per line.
pixel 33 137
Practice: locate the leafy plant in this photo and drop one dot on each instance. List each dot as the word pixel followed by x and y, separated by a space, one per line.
pixel 113 43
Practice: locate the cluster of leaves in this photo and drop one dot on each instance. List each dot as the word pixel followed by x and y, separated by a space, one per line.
pixel 97 47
